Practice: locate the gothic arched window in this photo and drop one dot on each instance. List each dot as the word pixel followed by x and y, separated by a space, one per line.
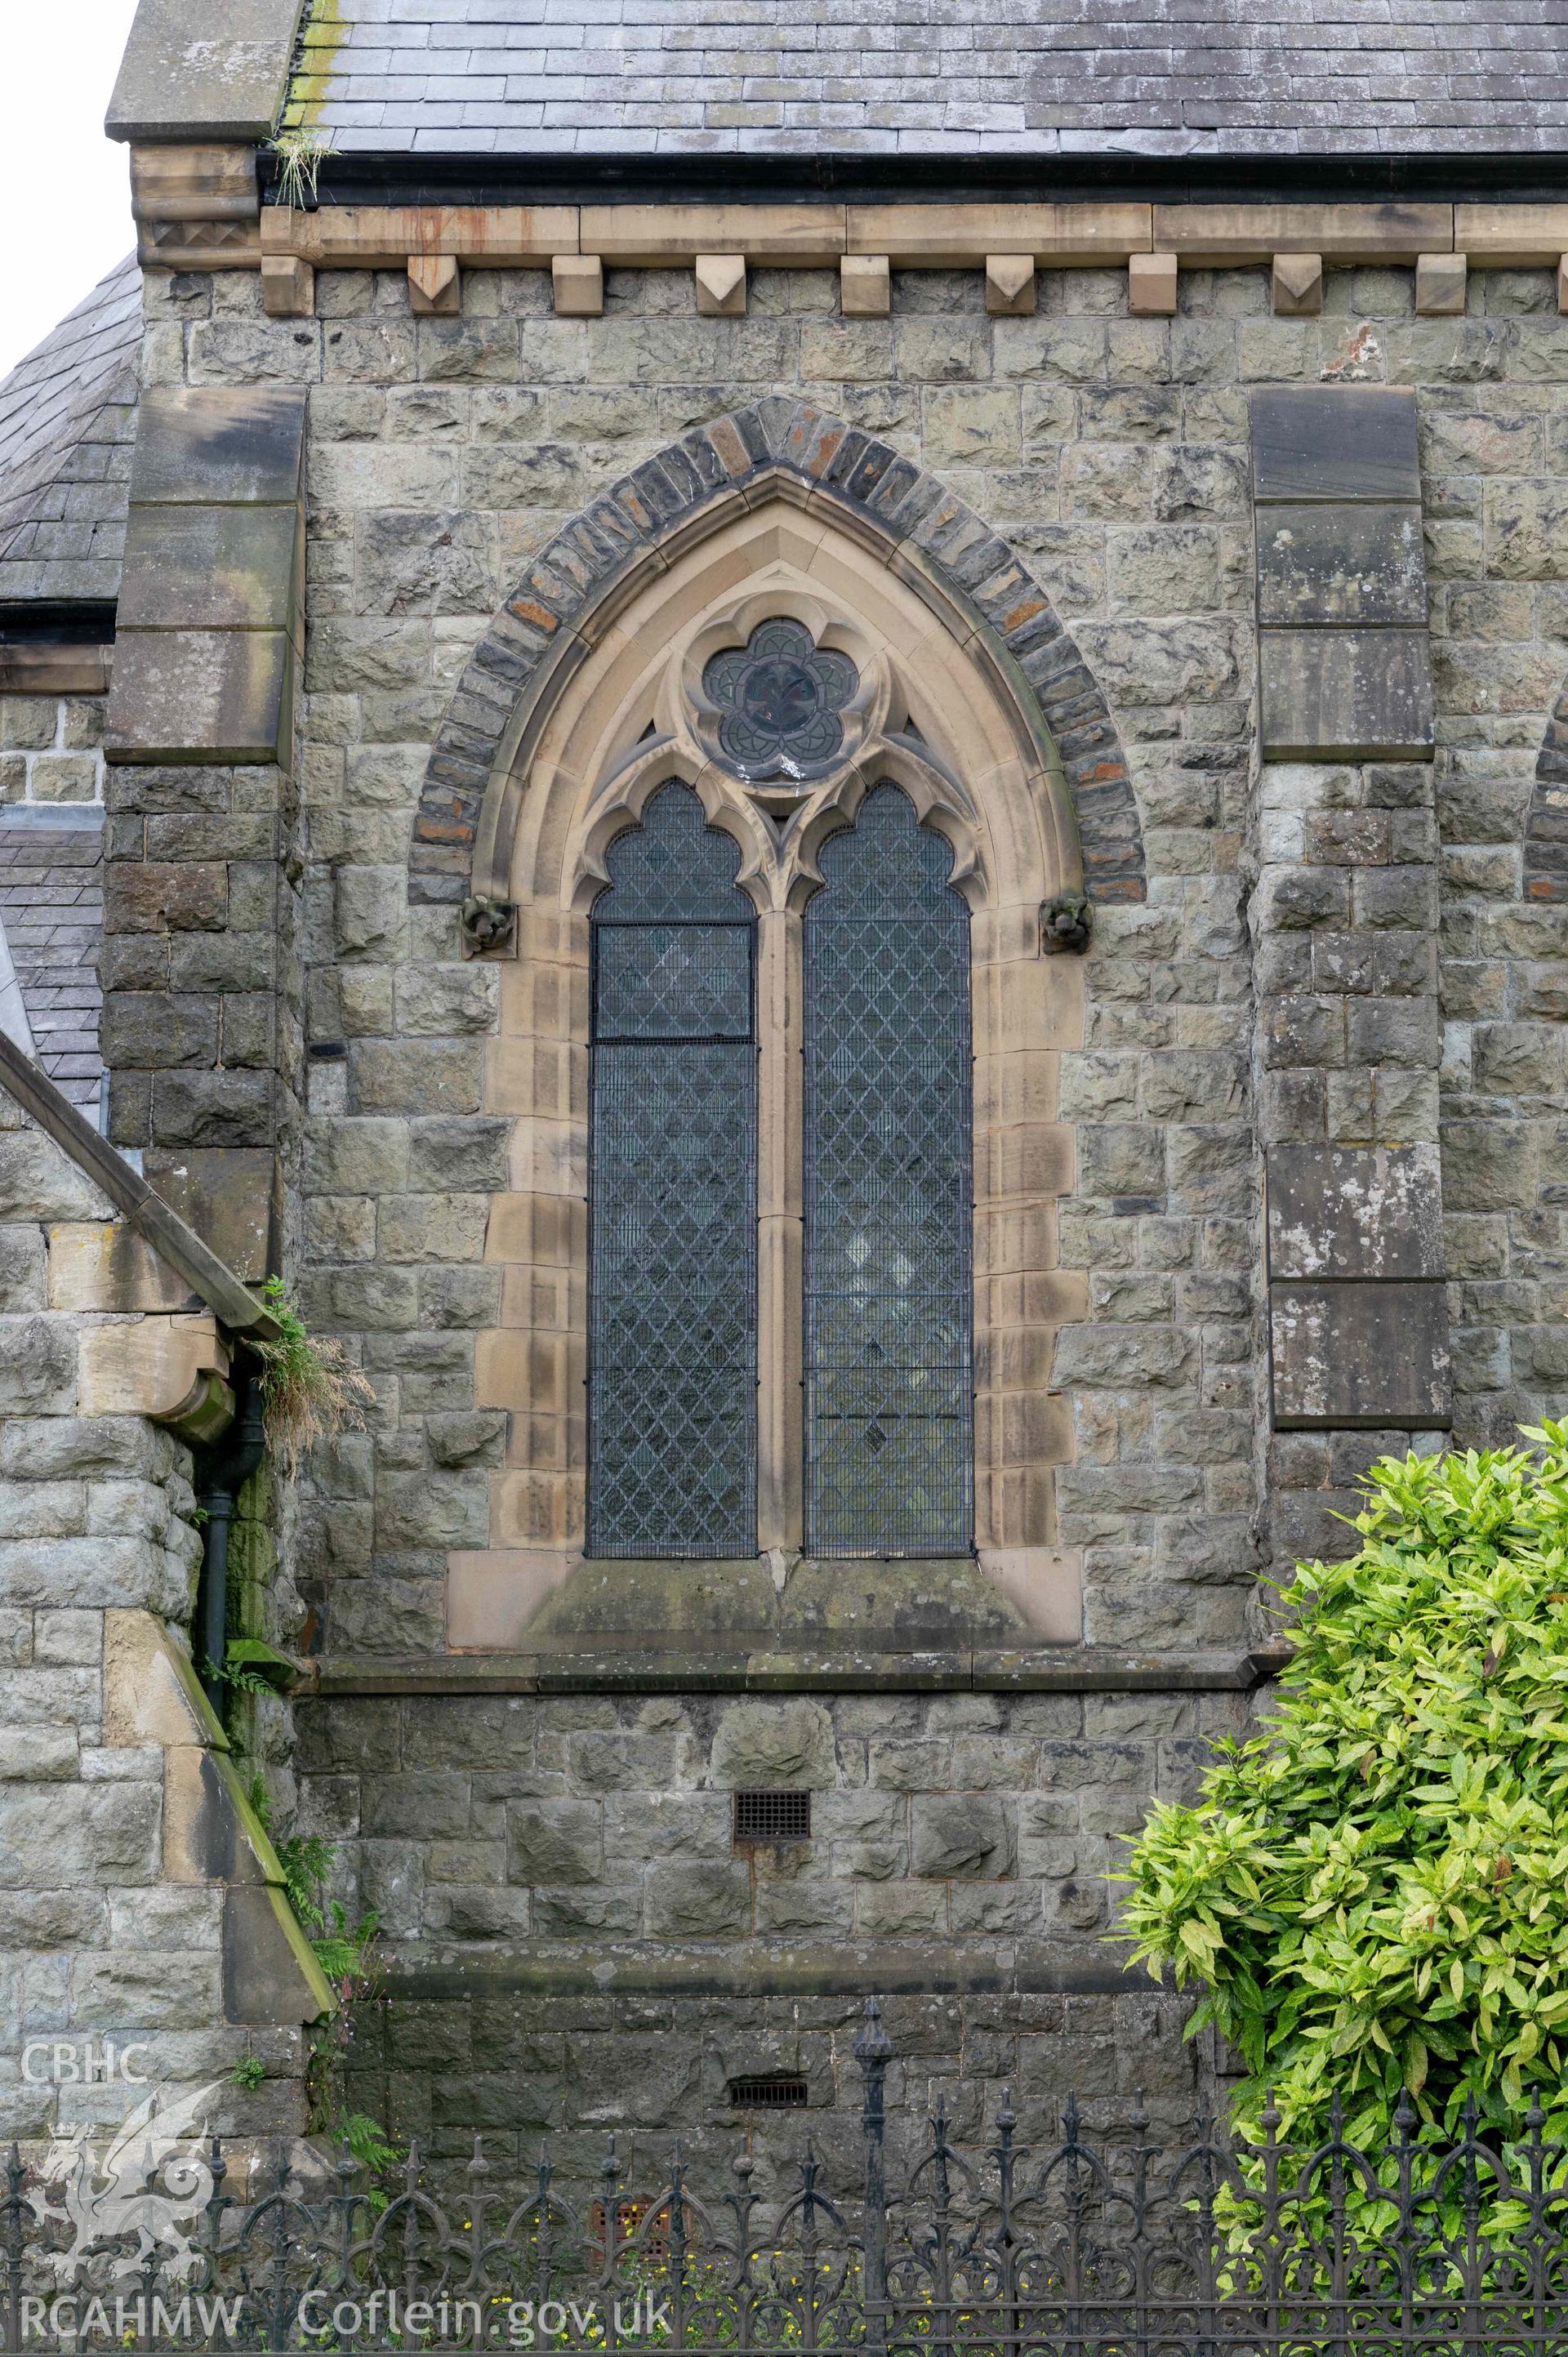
pixel 780 1032
pixel 673 1195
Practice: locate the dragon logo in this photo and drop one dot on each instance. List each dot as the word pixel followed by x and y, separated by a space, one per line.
pixel 132 2206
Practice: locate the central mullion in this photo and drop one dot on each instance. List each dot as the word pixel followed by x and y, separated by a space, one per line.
pixel 780 1260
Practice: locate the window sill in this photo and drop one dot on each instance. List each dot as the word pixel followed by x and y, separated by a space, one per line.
pixel 638 1668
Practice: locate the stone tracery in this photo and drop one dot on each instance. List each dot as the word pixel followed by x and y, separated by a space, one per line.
pixel 926 714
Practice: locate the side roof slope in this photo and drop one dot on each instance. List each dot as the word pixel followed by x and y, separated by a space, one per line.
pixel 1178 78
pixel 68 420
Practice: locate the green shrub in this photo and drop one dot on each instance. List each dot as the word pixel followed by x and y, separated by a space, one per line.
pixel 1376 1891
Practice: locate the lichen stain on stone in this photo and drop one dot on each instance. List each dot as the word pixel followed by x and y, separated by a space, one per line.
pixel 1302 1328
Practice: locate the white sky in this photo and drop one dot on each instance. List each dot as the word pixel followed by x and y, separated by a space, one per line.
pixel 64 194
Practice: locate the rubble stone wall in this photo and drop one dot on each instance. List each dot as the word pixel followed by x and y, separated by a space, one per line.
pixel 51 749
pixel 145 1947
pixel 1343 952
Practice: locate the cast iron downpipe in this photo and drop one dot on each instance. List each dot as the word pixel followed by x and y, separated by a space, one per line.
pixel 221 1475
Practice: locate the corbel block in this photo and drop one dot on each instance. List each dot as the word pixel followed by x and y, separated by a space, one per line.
pixel 1152 284
pixel 199 245
pixel 721 286
pixel 288 287
pixel 180 183
pixel 1297 285
pixel 578 280
pixel 194 206
pixel 1562 282
pixel 170 1369
pixel 1440 281
pixel 435 285
pixel 865 286
pixel 1010 284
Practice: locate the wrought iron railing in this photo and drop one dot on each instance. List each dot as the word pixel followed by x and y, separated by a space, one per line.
pixel 1099 2246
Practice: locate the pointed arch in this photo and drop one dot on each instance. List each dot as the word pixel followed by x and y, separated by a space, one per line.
pixel 959 688
pixel 782 449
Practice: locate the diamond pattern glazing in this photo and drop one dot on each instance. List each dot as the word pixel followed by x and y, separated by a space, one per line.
pixel 672 1215
pixel 890 1116
pixel 673 982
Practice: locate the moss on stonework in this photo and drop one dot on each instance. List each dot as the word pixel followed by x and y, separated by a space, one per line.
pixel 252 1555
pixel 321 38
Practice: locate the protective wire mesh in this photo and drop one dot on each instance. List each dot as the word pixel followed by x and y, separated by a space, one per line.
pixel 772 1815
pixel 889 1089
pixel 776 2094
pixel 672 1197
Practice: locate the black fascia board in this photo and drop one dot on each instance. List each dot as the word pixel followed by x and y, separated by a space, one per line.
pixel 1532 176
pixel 57 622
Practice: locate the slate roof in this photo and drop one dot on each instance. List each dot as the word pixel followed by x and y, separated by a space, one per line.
pixel 68 419
pixel 1053 76
pixel 51 906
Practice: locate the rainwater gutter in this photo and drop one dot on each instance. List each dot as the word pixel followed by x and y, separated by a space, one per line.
pixel 221 1474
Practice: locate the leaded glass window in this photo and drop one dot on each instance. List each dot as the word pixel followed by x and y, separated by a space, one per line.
pixel 888 1185
pixel 672 1209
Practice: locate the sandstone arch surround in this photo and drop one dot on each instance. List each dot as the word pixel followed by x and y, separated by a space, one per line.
pixel 1546 819
pixel 948 715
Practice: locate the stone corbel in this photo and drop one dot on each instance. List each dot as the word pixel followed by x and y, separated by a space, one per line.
pixel 195 208
pixel 1011 289
pixel 721 286
pixel 490 926
pixel 1067 924
pixel 435 286
pixel 172 1369
pixel 578 283
pixel 1152 284
pixel 865 286
pixel 1296 286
